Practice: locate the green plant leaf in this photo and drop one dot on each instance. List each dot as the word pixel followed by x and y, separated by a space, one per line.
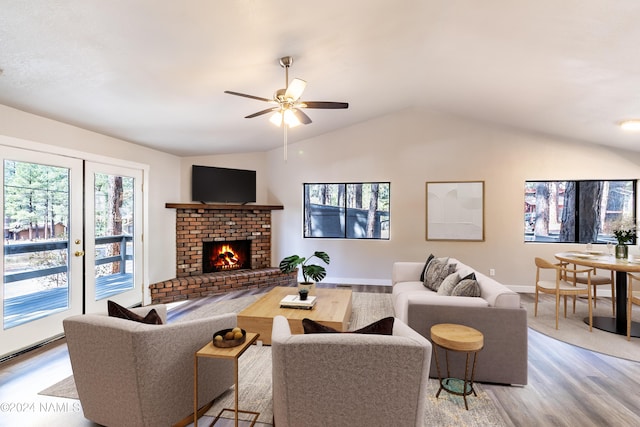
pixel 323 256
pixel 310 272
pixel 290 263
pixel 315 272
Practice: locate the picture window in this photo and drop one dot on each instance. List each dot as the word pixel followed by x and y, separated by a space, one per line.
pixel 578 211
pixel 347 210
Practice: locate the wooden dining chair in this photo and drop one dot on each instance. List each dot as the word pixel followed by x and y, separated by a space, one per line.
pixel 560 287
pixel 596 280
pixel 633 297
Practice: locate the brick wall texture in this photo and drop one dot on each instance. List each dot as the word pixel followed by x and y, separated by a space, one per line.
pixel 195 226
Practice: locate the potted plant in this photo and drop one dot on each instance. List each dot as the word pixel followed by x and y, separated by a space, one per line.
pixel 311 273
pixel 624 232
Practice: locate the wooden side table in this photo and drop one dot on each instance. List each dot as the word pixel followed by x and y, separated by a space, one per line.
pixel 451 337
pixel 234 353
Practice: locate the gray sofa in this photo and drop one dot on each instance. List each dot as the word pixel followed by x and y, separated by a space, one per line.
pixel 497 313
pixel 133 374
pixel 356 380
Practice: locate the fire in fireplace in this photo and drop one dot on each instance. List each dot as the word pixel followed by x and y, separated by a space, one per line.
pixel 225 256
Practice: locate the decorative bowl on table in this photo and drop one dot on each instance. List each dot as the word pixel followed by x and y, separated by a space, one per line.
pixel 231 337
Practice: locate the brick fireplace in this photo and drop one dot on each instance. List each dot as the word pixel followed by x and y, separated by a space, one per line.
pixel 197 224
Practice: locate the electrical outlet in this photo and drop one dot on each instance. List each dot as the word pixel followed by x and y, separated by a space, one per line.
pixel 492 272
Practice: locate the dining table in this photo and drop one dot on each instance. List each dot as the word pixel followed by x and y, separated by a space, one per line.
pixel 601 260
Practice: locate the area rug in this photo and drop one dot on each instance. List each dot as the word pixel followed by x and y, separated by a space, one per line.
pixel 575 331
pixel 255 373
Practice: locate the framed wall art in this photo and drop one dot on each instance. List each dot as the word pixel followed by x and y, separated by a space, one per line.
pixel 455 210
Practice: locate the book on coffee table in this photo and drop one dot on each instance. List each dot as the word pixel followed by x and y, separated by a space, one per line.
pixel 294 301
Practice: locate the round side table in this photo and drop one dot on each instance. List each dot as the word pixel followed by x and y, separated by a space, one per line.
pixel 451 337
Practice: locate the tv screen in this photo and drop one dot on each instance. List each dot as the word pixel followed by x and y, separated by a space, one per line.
pixel 222 185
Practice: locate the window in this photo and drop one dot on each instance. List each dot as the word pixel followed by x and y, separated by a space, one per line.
pixel 578 211
pixel 347 210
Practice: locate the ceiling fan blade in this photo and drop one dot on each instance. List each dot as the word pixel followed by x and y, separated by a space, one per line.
pixel 248 96
pixel 301 116
pixel 295 89
pixel 259 113
pixel 325 105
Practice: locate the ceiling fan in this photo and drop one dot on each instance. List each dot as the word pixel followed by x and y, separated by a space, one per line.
pixel 287 109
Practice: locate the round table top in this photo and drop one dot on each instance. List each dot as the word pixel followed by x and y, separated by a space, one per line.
pixel 599 260
pixel 457 337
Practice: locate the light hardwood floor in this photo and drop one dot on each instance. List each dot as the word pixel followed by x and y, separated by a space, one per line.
pixel 568 386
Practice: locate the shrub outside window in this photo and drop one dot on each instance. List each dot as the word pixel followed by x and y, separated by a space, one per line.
pixel 578 211
pixel 346 210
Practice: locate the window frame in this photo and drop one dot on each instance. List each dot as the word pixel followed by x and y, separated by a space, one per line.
pixel 345 215
pixel 602 237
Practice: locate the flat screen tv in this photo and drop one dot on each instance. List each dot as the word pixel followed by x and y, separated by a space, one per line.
pixel 222 185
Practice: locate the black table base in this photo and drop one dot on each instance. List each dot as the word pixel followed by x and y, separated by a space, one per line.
pixel 609 324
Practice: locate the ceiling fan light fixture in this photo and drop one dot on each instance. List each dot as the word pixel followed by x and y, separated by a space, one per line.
pixel 290 118
pixel 276 118
pixel 630 125
pixel 295 89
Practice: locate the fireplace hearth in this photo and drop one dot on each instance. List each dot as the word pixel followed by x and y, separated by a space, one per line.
pixel 197 224
pixel 226 256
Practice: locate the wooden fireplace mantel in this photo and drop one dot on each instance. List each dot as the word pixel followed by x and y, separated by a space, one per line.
pixel 223 207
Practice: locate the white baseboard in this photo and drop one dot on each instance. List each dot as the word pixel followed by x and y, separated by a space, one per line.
pixel 352 281
pixel 522 289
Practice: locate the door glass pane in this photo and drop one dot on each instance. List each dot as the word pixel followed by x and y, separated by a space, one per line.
pixel 36 241
pixel 114 229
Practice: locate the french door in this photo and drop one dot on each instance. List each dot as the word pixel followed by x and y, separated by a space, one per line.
pixel 42 259
pixel 72 239
pixel 113 236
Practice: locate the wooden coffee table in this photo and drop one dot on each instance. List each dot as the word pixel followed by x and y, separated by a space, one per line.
pixel 333 309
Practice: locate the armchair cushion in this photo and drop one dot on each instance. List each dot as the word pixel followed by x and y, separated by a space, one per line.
pixel 116 310
pixel 380 327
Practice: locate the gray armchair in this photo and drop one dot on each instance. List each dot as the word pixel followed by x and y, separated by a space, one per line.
pixel 339 379
pixel 133 374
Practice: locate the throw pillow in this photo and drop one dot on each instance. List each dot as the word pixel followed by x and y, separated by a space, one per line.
pixel 471 275
pixel 447 285
pixel 466 288
pixel 116 310
pixel 437 271
pixel 380 327
pixel 424 269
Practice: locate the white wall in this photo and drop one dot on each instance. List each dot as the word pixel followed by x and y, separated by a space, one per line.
pixel 415 146
pixel 29 131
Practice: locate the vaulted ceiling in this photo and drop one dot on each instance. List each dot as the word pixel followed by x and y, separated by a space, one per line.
pixel 154 72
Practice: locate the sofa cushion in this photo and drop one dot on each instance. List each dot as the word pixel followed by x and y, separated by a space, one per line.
pixel 437 270
pixel 379 327
pixel 447 285
pixel 116 310
pixel 467 287
pixel 426 264
pixel 495 293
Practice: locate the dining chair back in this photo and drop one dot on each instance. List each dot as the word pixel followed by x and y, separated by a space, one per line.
pixel 558 285
pixel 596 280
